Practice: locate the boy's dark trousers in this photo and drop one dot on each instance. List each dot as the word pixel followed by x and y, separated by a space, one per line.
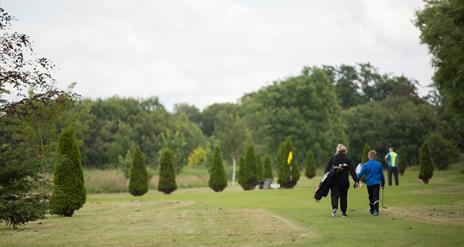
pixel 373 191
pixel 395 173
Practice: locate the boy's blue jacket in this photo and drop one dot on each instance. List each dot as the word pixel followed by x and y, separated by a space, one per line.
pixel 374 173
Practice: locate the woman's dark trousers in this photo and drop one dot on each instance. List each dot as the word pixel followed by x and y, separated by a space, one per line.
pixel 336 192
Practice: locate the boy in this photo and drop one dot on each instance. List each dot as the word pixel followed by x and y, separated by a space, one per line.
pixel 374 180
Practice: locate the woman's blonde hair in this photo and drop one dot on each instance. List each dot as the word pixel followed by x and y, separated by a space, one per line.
pixel 341 149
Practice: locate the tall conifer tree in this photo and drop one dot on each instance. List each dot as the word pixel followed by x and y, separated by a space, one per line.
pixel 68 191
pixel 167 176
pixel 248 177
pixel 138 183
pixel 217 175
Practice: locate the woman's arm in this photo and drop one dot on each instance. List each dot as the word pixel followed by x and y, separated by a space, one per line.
pixel 353 173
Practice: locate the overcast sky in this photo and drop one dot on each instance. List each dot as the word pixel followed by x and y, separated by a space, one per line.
pixel 207 51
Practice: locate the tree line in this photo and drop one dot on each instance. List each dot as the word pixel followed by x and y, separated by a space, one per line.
pixel 312 109
pixel 317 109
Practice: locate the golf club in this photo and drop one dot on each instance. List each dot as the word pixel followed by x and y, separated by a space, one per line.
pixel 383 193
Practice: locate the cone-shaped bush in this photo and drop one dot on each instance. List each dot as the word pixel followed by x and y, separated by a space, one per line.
pixel 259 169
pixel 310 167
pixel 267 167
pixel 69 191
pixel 366 149
pixel 247 174
pixel 364 158
pixel 289 173
pixel 426 166
pixel 295 172
pixel 241 171
pixel 217 175
pixel 138 183
pixel 401 162
pixel 167 175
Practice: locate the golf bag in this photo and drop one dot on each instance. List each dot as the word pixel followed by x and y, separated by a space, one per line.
pixel 322 189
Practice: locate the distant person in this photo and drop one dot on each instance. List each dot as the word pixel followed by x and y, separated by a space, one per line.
pixel 374 180
pixel 392 160
pixel 342 166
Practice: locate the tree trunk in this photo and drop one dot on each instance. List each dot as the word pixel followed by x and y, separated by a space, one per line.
pixel 234 163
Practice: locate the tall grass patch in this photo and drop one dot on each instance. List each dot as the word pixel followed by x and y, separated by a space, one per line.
pixel 105 181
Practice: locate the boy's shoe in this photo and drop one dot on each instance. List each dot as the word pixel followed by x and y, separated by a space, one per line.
pixel 344 215
pixel 376 213
pixel 334 212
pixel 371 211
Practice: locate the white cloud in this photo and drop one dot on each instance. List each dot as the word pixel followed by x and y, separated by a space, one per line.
pixel 205 51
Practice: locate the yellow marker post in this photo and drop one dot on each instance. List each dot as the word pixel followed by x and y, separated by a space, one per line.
pixel 289 162
pixel 290 158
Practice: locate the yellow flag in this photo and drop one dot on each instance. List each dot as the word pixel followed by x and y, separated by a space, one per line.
pixel 290 158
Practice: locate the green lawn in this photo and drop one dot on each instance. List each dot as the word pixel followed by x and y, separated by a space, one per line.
pixel 416 215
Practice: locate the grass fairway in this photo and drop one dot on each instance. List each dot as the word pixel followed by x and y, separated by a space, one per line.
pixel 416 215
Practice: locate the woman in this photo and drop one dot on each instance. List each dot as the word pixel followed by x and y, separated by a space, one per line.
pixel 340 183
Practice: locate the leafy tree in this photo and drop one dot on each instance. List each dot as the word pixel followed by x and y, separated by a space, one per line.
pixel 247 174
pixel 231 132
pixel 209 153
pixel 22 73
pixel 125 163
pixel 402 165
pixel 442 29
pixel 309 164
pixel 167 176
pixel 190 111
pixel 138 183
pixel 296 107
pixel 217 175
pixel 426 166
pixel 398 121
pixel 68 191
pixel 209 116
pixel 397 86
pixel 376 86
pixel 346 81
pixel 267 173
pixel 176 143
pixel 120 123
pixel 288 170
pixel 42 126
pixel 25 81
pixel 191 132
pixel 148 120
pixel 450 126
pixel 442 151
pixel 357 85
pixel 197 157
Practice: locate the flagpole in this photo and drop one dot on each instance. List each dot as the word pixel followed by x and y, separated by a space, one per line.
pixel 289 161
pixel 291 166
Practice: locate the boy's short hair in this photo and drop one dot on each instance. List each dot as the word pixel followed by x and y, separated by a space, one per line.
pixel 372 154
